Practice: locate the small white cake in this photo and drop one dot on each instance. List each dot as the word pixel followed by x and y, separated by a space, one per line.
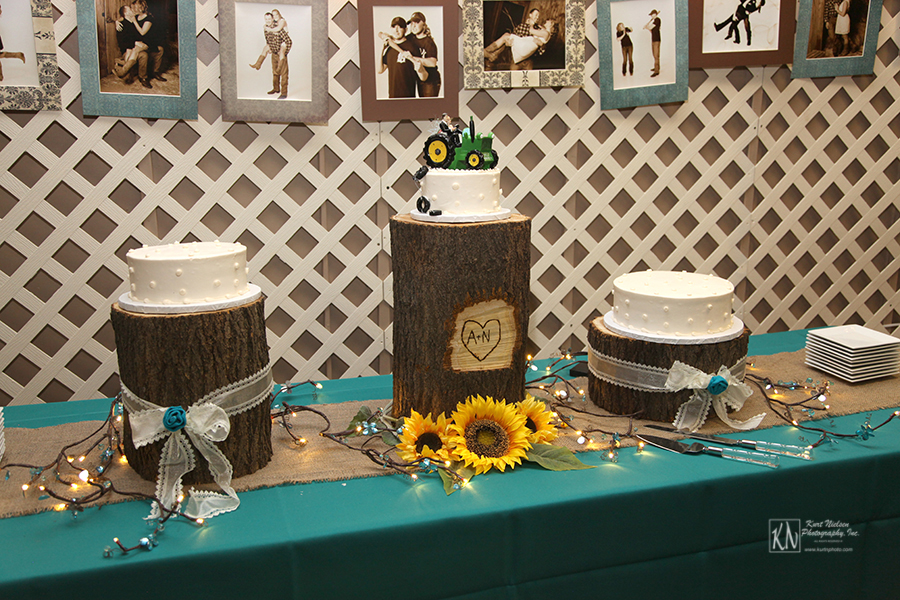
pixel 673 304
pixel 462 192
pixel 194 273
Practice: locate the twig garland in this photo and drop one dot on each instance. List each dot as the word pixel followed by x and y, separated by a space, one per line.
pixel 560 398
pixel 74 472
pixel 374 426
pixel 814 400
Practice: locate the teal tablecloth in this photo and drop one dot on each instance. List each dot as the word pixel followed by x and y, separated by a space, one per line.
pixel 654 524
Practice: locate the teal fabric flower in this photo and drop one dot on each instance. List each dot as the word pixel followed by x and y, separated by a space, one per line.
pixel 175 418
pixel 717 385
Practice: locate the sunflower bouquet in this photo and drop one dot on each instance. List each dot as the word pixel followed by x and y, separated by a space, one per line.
pixel 482 434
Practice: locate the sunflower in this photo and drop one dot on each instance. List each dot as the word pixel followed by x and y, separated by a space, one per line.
pixel 537 420
pixel 423 437
pixel 486 433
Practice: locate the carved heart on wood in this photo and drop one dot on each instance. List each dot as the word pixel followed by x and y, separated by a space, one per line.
pixel 480 340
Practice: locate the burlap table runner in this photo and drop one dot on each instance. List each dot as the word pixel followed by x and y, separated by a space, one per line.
pixel 324 460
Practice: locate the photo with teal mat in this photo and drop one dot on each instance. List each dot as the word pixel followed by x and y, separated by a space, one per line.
pixel 643 52
pixel 836 37
pixel 138 58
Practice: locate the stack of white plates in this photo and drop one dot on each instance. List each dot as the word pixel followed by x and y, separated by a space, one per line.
pixel 853 352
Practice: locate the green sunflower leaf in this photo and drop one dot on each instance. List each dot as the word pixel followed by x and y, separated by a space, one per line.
pixel 361 417
pixel 389 438
pixel 450 484
pixel 555 458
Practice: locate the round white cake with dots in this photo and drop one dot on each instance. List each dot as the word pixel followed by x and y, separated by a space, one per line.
pixel 194 273
pixel 673 304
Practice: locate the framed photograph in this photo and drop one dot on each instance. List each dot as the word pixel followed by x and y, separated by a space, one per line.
pixel 138 58
pixel 522 43
pixel 408 59
pixel 275 65
pixel 29 76
pixel 643 52
pixel 731 33
pixel 836 37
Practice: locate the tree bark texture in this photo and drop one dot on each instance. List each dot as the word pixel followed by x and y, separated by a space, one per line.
pixel 173 360
pixel 657 406
pixel 460 311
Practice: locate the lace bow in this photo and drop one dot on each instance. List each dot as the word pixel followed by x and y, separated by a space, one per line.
pixel 720 391
pixel 206 422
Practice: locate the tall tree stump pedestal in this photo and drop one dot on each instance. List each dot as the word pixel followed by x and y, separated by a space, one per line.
pixel 460 311
pixel 658 406
pixel 177 359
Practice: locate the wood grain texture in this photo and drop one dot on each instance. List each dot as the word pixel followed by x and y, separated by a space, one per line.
pixel 441 271
pixel 175 360
pixel 657 406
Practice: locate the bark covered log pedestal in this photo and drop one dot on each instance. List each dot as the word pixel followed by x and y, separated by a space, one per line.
pixel 175 360
pixel 657 406
pixel 460 311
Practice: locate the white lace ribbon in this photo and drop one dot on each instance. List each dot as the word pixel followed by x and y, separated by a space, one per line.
pixel 692 414
pixel 205 423
pixel 721 391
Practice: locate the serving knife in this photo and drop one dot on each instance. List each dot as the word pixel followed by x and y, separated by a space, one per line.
pixel 770 447
pixel 756 458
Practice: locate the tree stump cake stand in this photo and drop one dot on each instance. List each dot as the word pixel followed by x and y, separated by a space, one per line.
pixel 177 359
pixel 656 406
pixel 460 311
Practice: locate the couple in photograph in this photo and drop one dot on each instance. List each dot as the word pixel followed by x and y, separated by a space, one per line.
pixel 622 34
pixel 742 13
pixel 524 41
pixel 410 57
pixel 141 42
pixel 278 44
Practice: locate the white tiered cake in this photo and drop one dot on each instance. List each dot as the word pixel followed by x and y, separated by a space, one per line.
pixel 187 277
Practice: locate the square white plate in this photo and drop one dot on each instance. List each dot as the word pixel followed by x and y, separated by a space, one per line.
pixel 855 337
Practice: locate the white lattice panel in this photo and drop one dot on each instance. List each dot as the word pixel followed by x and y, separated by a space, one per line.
pixel 787 188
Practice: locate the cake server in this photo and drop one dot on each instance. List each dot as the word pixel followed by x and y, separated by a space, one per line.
pixel 756 458
pixel 770 447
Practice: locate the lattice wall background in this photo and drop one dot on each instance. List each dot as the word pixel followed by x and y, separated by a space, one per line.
pixel 788 188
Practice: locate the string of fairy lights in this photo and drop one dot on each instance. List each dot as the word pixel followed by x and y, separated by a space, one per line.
pixel 79 475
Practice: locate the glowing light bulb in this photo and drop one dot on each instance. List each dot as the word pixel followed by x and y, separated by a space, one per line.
pixel 24 487
pixel 84 476
pixel 318 386
pixel 123 459
pixel 200 521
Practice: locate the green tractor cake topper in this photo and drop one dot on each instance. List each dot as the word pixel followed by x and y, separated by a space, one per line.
pixel 452 148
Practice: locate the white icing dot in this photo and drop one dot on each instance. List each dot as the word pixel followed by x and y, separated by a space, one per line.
pixel 131 270
pixel 237 266
pixel 709 307
pixel 236 283
pixel 690 321
pixel 178 272
pixel 481 196
pixel 644 316
pixel 455 186
pixel 246 270
pixel 217 283
pixel 166 301
pixel 133 287
pixel 627 302
pixel 494 181
pixel 146 300
pixel 182 291
pixel 665 309
pixel 665 325
pixel 152 284
pixel 434 197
